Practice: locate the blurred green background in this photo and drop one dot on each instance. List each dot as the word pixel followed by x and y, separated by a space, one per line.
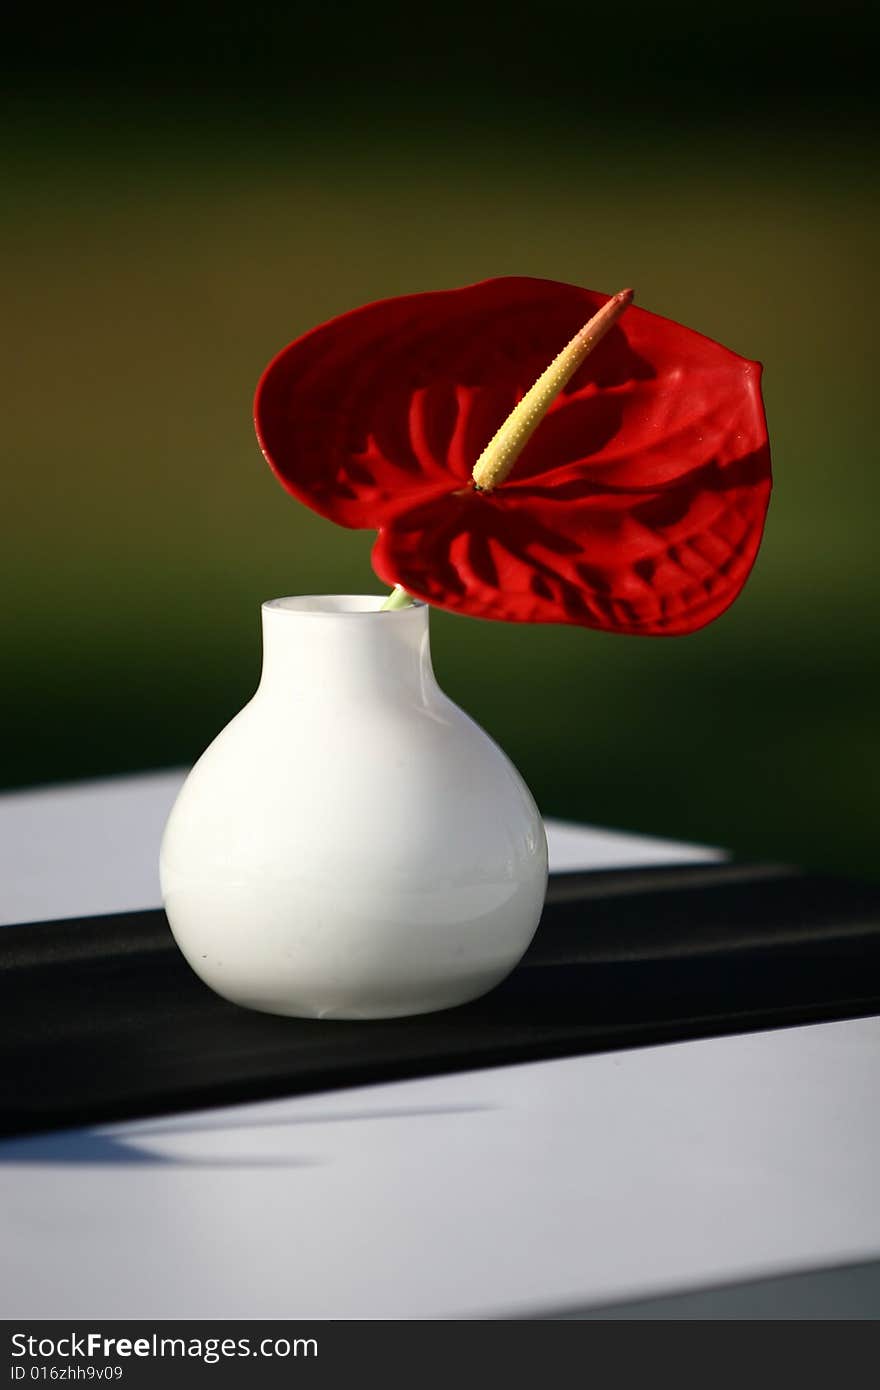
pixel 188 191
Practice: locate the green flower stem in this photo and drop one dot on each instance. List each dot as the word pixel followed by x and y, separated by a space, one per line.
pixel 398 598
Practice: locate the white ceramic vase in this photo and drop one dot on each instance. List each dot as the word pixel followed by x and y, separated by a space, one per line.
pixel 352 845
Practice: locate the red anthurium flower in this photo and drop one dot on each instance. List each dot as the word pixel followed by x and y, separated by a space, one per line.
pixel 635 501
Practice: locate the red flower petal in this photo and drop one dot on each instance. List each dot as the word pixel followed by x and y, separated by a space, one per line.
pixel 658 562
pixel 637 505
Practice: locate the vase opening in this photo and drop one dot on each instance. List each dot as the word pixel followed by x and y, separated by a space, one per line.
pixel 341 605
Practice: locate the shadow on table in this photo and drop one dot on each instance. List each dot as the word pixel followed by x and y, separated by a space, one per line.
pixel 93 1147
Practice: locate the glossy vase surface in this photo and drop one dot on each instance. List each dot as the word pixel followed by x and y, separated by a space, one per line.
pixel 352 845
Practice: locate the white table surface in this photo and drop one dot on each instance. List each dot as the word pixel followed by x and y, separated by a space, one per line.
pixel 516 1190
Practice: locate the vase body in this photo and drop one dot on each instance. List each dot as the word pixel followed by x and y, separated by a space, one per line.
pixel 352 845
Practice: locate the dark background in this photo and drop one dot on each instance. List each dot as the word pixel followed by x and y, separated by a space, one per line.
pixel 187 190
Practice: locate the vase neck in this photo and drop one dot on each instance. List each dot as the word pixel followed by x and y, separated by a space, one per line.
pixel 336 648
